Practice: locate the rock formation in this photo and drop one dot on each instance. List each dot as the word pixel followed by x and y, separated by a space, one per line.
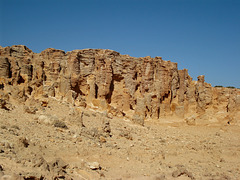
pixel 104 80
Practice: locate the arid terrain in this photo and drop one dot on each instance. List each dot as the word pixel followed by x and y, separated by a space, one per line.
pixel 97 114
pixel 54 142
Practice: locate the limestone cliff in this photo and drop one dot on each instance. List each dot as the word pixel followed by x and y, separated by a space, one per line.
pixel 104 80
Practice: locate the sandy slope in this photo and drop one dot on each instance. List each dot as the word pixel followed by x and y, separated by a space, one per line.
pixel 111 148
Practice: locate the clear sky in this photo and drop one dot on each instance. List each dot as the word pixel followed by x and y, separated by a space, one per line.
pixel 200 35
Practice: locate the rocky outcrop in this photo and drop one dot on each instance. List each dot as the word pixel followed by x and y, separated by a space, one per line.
pixel 103 80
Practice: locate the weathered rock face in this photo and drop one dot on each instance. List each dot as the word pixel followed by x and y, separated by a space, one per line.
pixel 104 80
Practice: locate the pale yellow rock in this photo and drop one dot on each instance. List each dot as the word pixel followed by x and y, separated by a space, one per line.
pixel 137 88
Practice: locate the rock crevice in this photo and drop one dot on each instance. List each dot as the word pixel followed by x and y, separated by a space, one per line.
pixel 104 80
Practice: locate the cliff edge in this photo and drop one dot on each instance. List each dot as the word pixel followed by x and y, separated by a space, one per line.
pixel 139 89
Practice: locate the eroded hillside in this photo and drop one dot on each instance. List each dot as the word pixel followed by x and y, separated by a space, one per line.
pixel 96 114
pixel 123 86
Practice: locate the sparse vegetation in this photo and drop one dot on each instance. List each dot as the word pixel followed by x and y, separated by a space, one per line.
pixel 232 87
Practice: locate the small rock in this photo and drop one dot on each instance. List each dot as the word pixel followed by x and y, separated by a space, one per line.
pixel 11 177
pixel 60 124
pixel 106 129
pixel 126 133
pixel 41 162
pixel 222 160
pixel 94 165
pixel 15 127
pixel 191 121
pixel 182 171
pixel 102 139
pixel 5 105
pixel 217 134
pixel 110 116
pixel 1 174
pixel 44 119
pixel 58 166
pixel 138 119
pixel 33 175
pixel 6 177
pixel 161 177
pixel 24 142
pixel 30 110
pixel 44 104
pixel 1 168
pixel 3 127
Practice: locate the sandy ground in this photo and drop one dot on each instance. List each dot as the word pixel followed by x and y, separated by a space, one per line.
pixel 51 143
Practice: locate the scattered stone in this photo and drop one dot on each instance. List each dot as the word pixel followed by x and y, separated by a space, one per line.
pixel 30 110
pixel 138 119
pixel 94 165
pixel 126 133
pixel 222 160
pixel 33 176
pixel 182 171
pixel 90 133
pixel 58 166
pixel 11 177
pixel 4 105
pixel 1 168
pixel 161 177
pixel 102 139
pixel 15 127
pixel 78 117
pixel 44 104
pixel 24 142
pixel 3 127
pixel 60 124
pixel 102 174
pixel 1 174
pixel 13 131
pixel 46 119
pixel 191 120
pixel 110 116
pixel 106 128
pixel 41 162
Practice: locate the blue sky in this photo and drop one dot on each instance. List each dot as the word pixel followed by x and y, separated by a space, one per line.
pixel 200 35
